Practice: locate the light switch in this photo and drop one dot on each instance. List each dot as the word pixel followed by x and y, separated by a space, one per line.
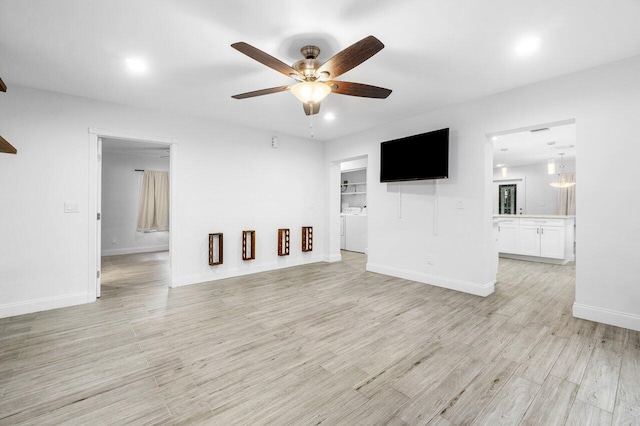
pixel 459 203
pixel 70 207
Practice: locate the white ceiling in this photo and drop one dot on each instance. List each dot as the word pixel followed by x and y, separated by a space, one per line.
pixel 531 147
pixel 437 52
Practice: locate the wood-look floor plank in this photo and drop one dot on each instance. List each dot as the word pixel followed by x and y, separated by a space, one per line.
pixel 510 404
pixel 629 383
pixel 573 359
pixel 583 414
pixel 469 402
pixel 518 349
pixel 541 359
pixel 600 381
pixel 626 414
pixel 552 404
pixel 428 403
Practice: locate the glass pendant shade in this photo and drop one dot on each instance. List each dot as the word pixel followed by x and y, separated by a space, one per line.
pixel 564 181
pixel 504 171
pixel 551 167
pixel 310 91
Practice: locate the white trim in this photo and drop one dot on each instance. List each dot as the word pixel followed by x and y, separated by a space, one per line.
pixel 452 284
pixel 94 133
pixel 44 304
pixel 216 275
pixel 332 258
pixel 540 259
pixel 134 250
pixel 607 316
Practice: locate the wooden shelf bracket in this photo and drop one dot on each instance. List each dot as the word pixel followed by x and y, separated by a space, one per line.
pixel 307 238
pixel 248 245
pixel 284 240
pixel 215 249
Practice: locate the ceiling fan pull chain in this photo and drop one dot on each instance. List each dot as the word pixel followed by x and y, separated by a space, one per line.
pixel 311 106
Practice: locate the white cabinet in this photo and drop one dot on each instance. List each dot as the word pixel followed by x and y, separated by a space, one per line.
pixel 507 236
pixel 541 239
pixel 529 238
pixel 552 242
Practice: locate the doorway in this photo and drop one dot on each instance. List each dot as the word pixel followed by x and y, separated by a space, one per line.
pixel 131 153
pixel 134 225
pixel 534 187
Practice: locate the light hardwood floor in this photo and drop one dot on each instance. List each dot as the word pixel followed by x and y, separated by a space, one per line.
pixel 322 344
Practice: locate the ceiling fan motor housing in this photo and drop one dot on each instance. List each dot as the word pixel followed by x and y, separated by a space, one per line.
pixel 309 64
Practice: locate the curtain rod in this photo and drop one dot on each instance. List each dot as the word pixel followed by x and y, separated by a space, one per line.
pixel 138 170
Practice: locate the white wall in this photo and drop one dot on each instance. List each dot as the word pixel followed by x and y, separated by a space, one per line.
pixel 402 230
pixel 120 201
pixel 540 196
pixel 228 179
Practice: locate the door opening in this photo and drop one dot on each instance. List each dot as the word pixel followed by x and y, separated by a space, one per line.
pixel 120 251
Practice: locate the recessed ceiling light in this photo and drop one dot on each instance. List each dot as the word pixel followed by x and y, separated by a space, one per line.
pixel 494 138
pixel 329 116
pixel 137 65
pixel 527 45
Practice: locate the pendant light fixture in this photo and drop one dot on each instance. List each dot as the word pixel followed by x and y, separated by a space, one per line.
pixel 551 163
pixel 562 177
pixel 504 170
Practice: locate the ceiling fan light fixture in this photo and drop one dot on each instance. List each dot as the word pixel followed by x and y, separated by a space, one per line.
pixel 310 91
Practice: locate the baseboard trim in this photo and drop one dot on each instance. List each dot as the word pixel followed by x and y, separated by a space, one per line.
pixel 134 250
pixel 607 316
pixel 537 259
pixel 452 284
pixel 332 258
pixel 236 272
pixel 44 304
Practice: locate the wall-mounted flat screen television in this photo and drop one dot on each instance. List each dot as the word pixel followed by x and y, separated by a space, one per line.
pixel 418 157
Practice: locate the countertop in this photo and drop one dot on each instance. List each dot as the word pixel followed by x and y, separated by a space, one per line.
pixel 534 216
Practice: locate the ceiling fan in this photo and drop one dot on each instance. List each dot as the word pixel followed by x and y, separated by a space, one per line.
pixel 314 81
pixel 5 146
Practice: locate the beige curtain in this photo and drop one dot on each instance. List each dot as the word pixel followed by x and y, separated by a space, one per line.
pixel 567 196
pixel 153 212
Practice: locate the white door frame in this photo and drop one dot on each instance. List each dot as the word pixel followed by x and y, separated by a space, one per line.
pixel 94 181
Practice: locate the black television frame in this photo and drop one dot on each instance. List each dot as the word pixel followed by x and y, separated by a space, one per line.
pixel 415 151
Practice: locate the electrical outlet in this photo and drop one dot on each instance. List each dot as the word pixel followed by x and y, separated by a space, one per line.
pixel 71 207
pixel 429 259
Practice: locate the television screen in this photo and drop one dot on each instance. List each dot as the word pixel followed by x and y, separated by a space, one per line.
pixel 418 157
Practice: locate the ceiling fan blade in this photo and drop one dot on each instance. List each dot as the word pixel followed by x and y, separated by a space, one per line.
pixel 307 108
pixel 261 92
pixel 6 147
pixel 358 89
pixel 266 59
pixel 3 87
pixel 351 57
